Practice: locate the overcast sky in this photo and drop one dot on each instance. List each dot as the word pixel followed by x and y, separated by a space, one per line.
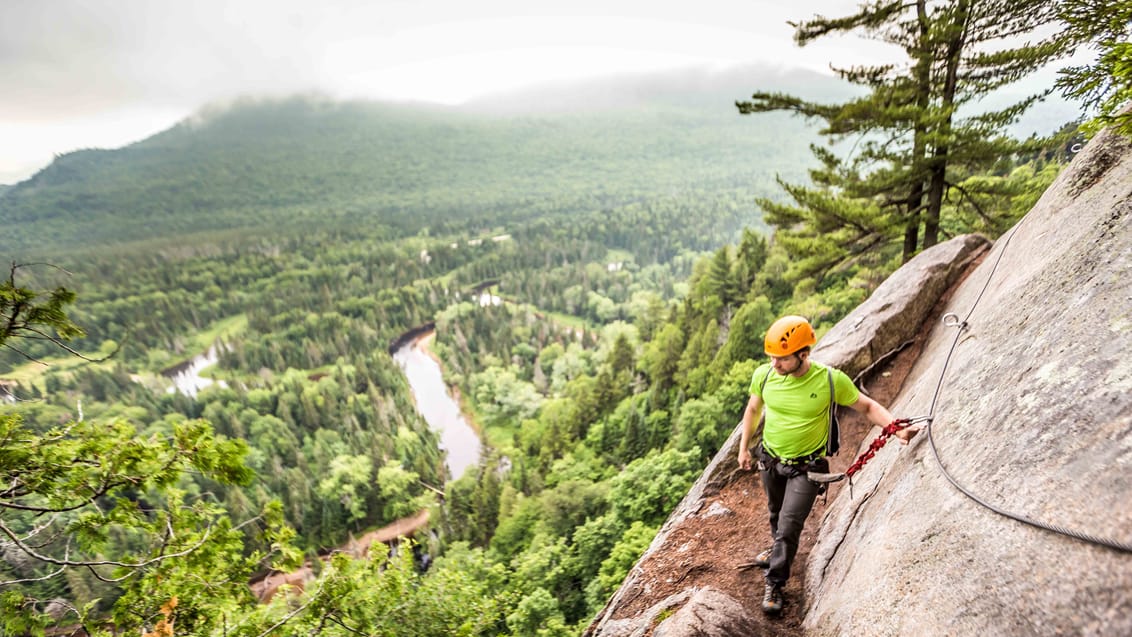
pixel 104 73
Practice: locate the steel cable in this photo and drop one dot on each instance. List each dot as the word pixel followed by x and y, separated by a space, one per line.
pixel 960 326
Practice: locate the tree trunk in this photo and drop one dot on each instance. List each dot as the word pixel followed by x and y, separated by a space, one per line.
pixel 922 75
pixel 956 40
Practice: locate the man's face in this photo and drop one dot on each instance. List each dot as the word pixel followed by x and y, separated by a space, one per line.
pixel 786 365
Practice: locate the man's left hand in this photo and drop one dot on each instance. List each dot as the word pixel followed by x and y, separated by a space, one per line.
pixel 908 433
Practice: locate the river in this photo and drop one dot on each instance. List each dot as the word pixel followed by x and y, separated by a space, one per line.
pixel 430 393
pixel 186 377
pixel 439 409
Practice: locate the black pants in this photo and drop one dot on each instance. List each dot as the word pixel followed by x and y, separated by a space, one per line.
pixel 789 496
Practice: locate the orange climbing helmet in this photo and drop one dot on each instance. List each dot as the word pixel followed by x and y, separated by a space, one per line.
pixel 788 335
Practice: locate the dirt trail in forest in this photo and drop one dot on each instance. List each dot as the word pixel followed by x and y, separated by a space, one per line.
pixel 264 588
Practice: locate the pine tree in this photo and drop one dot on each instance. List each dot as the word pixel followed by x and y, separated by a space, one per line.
pixel 719 280
pixel 911 143
pixel 1105 85
pixel 749 259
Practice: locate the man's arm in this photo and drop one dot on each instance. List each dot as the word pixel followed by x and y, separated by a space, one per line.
pixel 879 416
pixel 751 416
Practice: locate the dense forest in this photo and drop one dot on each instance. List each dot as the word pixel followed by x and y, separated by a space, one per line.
pixel 302 238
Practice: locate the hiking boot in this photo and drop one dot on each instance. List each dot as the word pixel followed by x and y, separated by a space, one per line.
pixel 772 599
pixel 762 560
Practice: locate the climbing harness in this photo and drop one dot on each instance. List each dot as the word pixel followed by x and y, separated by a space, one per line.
pixel 953 320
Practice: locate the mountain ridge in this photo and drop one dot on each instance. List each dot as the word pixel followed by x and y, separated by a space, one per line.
pixel 265 163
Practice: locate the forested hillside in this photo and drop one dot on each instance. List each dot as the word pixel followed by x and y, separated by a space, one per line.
pixel 302 237
pixel 309 163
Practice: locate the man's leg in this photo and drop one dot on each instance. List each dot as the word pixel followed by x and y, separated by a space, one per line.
pixel 774 486
pixel 797 500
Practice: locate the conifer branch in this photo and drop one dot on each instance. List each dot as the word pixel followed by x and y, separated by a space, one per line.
pixel 42 336
pixel 970 198
pixel 27 356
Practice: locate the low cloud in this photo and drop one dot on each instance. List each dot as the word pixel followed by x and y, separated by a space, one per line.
pixel 74 70
pixel 70 57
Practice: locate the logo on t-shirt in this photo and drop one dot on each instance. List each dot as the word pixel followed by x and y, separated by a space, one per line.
pixel 813 395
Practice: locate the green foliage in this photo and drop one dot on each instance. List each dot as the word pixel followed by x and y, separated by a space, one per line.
pixel 476 502
pixel 97 499
pixel 703 424
pixel 350 474
pixel 614 569
pixel 662 358
pixel 503 397
pixel 537 615
pixel 593 542
pixel 401 491
pixel 379 597
pixel 744 337
pixel 516 529
pixel 545 564
pixel 1105 86
pixel 650 487
pixel 209 582
pixel 68 468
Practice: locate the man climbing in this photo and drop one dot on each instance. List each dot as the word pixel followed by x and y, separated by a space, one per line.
pixel 796 393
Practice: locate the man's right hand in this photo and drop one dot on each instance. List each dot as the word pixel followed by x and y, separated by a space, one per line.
pixel 745 459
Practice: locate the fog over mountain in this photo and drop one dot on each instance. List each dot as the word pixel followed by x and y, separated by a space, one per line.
pixel 711 89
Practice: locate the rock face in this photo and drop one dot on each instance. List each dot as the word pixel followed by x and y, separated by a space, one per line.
pixel 1034 416
pixel 704 612
pixel 892 316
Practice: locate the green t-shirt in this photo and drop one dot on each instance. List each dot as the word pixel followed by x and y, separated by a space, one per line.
pixel 797 409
